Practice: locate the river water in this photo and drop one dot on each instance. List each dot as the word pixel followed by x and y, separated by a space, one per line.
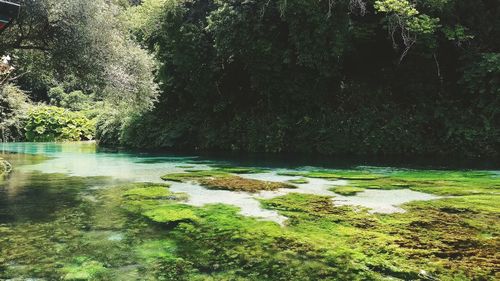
pixel 85 160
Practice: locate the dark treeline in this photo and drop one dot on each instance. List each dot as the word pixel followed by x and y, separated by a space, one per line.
pixel 330 77
pixel 384 77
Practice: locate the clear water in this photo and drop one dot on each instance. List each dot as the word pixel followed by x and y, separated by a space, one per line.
pixel 85 160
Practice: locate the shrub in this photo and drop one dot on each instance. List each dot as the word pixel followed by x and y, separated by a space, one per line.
pixel 13 108
pixel 76 100
pixel 51 123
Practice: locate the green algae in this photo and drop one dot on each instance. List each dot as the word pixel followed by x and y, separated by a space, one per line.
pixel 299 181
pixel 171 214
pixel 235 183
pixel 221 179
pixel 452 238
pixel 152 250
pixel 84 269
pixel 454 183
pixel 346 190
pixel 150 191
pixel 193 175
pixel 334 174
pixel 5 167
pixel 240 170
pixel 185 166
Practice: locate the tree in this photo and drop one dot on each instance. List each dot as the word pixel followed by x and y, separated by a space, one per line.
pixel 79 45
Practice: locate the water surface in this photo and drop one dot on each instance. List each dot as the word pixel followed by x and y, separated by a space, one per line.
pixel 86 160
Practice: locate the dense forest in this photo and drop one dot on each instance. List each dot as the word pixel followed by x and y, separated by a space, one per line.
pixel 390 77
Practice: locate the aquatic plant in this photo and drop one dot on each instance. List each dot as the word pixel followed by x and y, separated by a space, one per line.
pixel 239 170
pixel 145 231
pixel 171 214
pixel 83 268
pixel 220 179
pixel 299 181
pixel 5 167
pixel 235 183
pixel 193 175
pixel 346 190
pixel 334 174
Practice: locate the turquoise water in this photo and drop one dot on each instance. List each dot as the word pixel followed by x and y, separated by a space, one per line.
pixel 85 160
pixel 61 218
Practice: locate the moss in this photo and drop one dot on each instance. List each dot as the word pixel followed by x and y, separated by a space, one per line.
pixel 448 239
pixel 151 192
pixel 171 214
pixel 334 174
pixel 5 167
pixel 84 269
pixel 436 182
pixel 193 175
pixel 299 181
pixel 235 183
pixel 305 203
pixel 185 166
pixel 152 250
pixel 346 190
pixel 219 179
pixel 240 170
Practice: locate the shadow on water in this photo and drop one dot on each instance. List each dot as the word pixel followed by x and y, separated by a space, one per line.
pixel 295 160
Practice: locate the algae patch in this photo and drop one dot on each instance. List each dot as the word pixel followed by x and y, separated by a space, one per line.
pixel 346 190
pixel 219 179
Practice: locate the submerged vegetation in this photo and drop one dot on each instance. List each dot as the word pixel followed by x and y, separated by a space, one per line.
pixel 145 231
pixel 222 178
pixel 5 167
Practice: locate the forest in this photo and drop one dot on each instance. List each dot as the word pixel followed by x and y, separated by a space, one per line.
pixel 383 77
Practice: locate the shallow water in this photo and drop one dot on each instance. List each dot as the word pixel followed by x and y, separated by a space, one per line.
pixel 64 213
pixel 85 160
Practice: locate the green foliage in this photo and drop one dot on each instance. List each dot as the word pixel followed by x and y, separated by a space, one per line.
pixel 75 100
pixel 13 109
pixel 50 123
pixel 457 34
pixel 81 46
pixel 301 76
pixel 482 77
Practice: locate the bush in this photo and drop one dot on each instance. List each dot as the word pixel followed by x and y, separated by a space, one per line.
pixel 76 100
pixel 108 128
pixel 51 123
pixel 13 108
